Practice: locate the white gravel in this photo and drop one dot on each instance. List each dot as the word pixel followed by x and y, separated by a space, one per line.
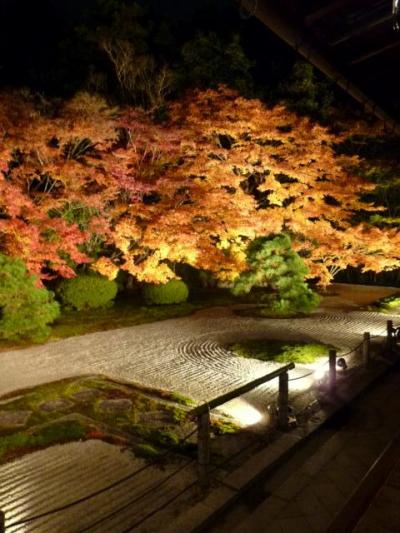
pixel 182 354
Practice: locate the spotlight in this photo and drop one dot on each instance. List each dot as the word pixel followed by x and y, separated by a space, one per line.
pixel 341 363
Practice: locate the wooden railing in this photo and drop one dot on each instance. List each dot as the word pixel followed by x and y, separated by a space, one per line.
pixel 202 413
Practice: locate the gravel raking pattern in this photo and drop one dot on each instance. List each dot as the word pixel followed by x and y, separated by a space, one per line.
pixel 47 480
pixel 184 354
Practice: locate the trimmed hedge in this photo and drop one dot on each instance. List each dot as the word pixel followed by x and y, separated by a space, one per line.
pixel 25 309
pixel 87 291
pixel 173 292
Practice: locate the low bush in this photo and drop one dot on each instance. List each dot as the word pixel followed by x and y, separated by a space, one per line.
pixel 87 291
pixel 173 292
pixel 25 309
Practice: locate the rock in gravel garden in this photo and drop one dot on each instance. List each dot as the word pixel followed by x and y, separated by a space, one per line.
pixel 14 419
pixel 116 406
pixel 60 404
pixel 86 395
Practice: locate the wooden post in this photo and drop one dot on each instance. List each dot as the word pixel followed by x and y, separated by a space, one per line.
pixel 2 522
pixel 283 401
pixel 203 449
pixel 332 371
pixel 389 329
pixel 366 349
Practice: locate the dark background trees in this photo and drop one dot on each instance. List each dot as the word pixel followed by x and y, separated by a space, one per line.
pixel 59 47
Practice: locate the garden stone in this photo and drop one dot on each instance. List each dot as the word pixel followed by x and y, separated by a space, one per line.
pixel 14 419
pixel 60 404
pixel 86 395
pixel 116 406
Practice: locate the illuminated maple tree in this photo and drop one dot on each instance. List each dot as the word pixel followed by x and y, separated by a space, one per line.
pixel 91 184
pixel 245 171
pixel 39 179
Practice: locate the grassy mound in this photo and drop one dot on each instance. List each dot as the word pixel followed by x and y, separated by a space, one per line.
pixel 280 351
pixel 389 304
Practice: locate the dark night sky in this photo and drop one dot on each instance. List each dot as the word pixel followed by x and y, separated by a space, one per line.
pixel 31 30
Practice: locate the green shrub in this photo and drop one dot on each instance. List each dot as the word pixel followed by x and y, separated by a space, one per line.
pixel 173 292
pixel 87 291
pixel 25 309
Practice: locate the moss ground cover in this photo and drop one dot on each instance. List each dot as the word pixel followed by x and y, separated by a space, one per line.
pixel 15 444
pixel 93 407
pixel 280 351
pixel 389 304
pixel 146 421
pixel 122 314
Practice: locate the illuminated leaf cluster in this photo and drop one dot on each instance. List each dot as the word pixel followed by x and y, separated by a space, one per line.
pixel 91 184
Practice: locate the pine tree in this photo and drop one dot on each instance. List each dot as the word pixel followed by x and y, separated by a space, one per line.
pixel 273 264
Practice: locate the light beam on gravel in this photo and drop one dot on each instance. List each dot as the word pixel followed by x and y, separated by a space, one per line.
pixel 243 412
pixel 320 373
pixel 302 384
pixel 312 374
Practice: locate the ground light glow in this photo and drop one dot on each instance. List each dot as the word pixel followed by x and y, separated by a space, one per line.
pixel 320 373
pixel 312 373
pixel 244 413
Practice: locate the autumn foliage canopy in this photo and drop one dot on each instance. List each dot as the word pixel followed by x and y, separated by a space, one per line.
pixel 86 183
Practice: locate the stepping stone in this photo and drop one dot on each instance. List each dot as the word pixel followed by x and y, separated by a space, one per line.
pixel 14 419
pixel 116 406
pixel 85 395
pixel 60 404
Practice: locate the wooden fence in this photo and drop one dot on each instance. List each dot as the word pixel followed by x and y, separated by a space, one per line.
pixel 202 412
